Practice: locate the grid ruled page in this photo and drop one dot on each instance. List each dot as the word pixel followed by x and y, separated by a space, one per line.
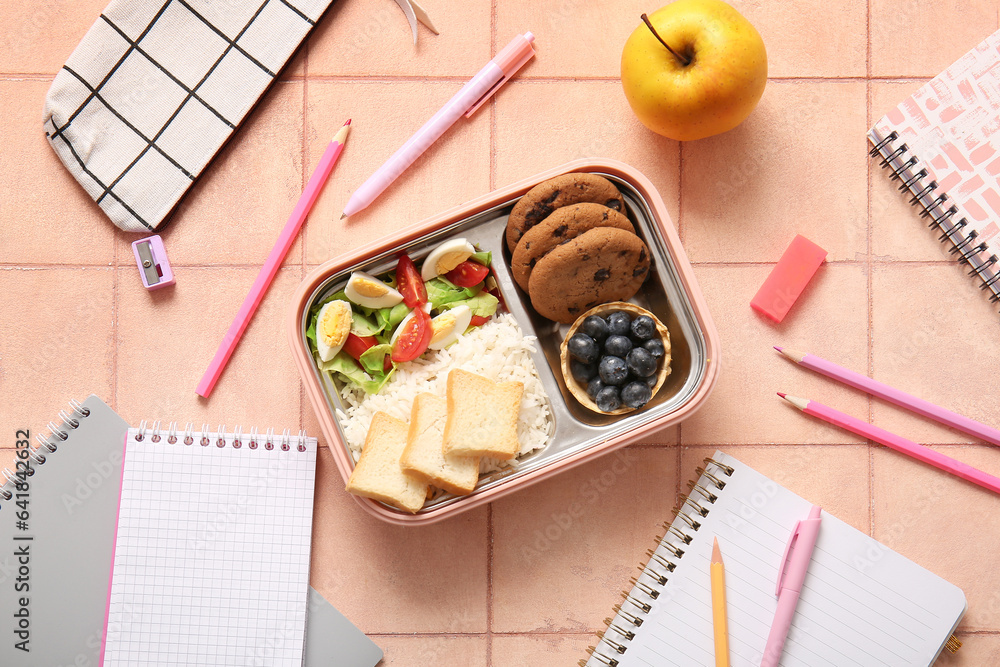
pixel 862 604
pixel 211 561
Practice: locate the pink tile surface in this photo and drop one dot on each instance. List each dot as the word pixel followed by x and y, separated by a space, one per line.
pixel 559 649
pixel 899 34
pixel 899 234
pixel 169 336
pixel 240 203
pixel 977 649
pixel 746 193
pixel 453 651
pixel 39 343
pixel 829 319
pixel 913 357
pixel 557 111
pixel 390 579
pixel 575 540
pixel 384 118
pixel 526 580
pixel 46 217
pixel 913 501
pixel 838 481
pixel 366 39
pixel 39 36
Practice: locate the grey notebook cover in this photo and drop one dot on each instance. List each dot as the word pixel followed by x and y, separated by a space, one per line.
pixel 56 541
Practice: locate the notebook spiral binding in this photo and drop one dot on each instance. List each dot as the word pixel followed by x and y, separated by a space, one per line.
pixel 71 420
pixel 219 438
pixel 49 444
pixel 655 572
pixel 904 169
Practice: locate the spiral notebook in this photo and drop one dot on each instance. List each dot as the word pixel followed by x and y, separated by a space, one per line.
pixel 211 561
pixel 943 145
pixel 62 518
pixel 862 605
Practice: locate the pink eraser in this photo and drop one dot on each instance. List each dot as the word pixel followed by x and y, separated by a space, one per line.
pixel 787 280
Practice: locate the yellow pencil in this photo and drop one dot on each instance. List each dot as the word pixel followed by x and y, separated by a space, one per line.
pixel 719 608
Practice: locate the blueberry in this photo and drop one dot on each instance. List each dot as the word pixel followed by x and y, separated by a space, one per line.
pixel 608 399
pixel 594 387
pixel 643 327
pixel 636 394
pixel 612 370
pixel 582 373
pixel 595 327
pixel 617 346
pixel 583 348
pixel 618 323
pixel 655 347
pixel 652 380
pixel 641 362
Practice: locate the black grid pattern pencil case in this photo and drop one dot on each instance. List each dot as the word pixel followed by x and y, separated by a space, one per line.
pixel 156 88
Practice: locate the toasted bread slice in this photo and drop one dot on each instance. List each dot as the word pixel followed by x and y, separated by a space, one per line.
pixel 482 416
pixel 424 456
pixel 378 475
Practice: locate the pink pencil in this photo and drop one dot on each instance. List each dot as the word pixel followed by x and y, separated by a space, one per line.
pixel 900 398
pixel 274 260
pixel 908 447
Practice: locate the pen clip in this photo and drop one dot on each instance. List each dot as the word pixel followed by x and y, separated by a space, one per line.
pixel 784 558
pixel 486 96
pixel 512 58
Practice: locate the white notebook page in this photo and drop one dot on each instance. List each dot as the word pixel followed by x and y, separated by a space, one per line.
pixel 862 604
pixel 211 561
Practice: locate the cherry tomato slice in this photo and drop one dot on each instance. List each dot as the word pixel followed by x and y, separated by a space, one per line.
pixel 414 338
pixel 409 283
pixel 468 274
pixel 356 345
pixel 478 320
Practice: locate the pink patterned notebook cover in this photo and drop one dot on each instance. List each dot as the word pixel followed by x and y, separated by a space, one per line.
pixel 952 124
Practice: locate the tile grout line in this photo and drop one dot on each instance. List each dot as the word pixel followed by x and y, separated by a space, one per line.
pixel 382 78
pixel 680 187
pixel 305 227
pixel 870 266
pixel 114 321
pixel 41 266
pixel 489 507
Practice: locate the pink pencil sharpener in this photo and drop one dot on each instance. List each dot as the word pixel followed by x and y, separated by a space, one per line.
pixel 154 268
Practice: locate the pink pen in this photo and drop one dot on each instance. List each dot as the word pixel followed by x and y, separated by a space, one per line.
pixel 465 102
pixel 790 584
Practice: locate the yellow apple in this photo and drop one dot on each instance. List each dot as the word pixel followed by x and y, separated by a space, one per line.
pixel 693 69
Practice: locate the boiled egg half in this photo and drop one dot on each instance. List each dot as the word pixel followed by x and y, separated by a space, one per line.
pixel 446 257
pixel 370 292
pixel 448 326
pixel 332 327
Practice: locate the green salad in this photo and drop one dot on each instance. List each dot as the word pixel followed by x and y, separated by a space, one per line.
pixel 363 332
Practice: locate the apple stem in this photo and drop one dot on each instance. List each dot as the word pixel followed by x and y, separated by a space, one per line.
pixel 681 59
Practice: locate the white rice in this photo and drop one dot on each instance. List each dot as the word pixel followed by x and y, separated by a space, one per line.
pixel 497 350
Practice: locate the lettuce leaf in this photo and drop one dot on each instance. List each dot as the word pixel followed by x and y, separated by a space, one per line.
pixel 441 292
pixel 373 359
pixel 361 325
pixel 350 372
pixel 483 304
pixel 483 257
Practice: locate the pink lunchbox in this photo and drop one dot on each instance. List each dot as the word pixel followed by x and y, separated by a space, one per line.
pixel 579 435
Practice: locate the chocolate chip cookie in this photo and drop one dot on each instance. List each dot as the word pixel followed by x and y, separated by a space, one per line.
pixel 562 225
pixel 538 202
pixel 602 264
